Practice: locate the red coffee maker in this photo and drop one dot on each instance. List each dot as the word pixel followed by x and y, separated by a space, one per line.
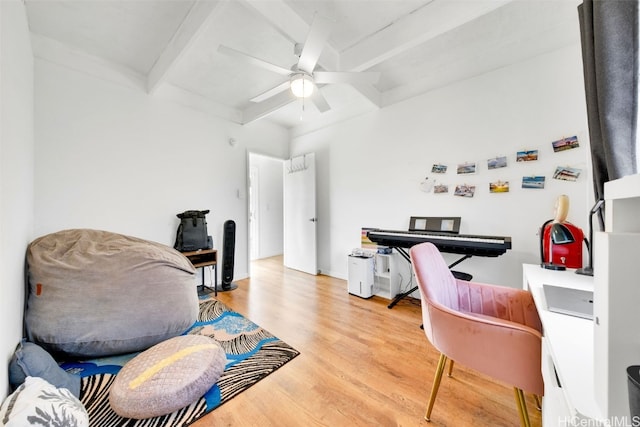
pixel 561 241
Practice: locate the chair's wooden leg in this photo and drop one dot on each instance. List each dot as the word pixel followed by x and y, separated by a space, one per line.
pixel 522 407
pixel 436 384
pixel 538 402
pixel 450 373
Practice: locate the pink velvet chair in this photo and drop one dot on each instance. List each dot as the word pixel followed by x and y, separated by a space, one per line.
pixel 492 329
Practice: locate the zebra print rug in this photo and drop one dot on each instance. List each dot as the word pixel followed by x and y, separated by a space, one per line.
pixel 252 354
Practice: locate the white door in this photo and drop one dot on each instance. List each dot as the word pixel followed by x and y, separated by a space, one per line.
pixel 254 204
pixel 300 214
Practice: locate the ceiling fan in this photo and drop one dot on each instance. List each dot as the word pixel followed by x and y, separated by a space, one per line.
pixel 302 78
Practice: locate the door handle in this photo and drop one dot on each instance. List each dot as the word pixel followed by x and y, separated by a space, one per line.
pixel 313 219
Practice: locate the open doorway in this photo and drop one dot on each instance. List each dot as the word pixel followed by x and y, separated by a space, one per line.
pixel 266 217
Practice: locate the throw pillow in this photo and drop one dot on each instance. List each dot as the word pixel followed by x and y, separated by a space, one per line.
pixel 36 402
pixel 31 360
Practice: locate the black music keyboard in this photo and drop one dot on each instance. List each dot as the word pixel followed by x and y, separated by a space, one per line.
pixel 488 246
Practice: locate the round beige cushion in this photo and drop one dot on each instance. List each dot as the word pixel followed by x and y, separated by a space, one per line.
pixel 167 377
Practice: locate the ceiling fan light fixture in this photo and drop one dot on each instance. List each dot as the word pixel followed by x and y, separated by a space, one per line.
pixel 302 85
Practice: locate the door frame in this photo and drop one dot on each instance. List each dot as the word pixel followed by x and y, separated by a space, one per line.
pixel 248 201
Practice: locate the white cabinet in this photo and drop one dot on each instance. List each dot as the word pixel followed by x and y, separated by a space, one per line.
pixel 555 405
pixel 584 362
pixel 567 353
pixel 386 276
pixel 617 295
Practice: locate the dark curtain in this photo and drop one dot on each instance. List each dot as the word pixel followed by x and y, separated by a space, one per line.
pixel 609 34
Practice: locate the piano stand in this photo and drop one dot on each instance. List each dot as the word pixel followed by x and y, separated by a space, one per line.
pixel 458 275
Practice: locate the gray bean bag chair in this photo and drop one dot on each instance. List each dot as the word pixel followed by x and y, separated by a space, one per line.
pixel 95 293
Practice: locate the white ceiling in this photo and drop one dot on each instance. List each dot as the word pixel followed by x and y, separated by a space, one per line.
pixel 170 47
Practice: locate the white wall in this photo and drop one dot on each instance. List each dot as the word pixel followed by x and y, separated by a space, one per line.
pixel 112 157
pixel 371 166
pixel 269 195
pixel 16 173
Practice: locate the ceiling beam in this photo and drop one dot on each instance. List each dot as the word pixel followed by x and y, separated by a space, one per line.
pixel 257 111
pixel 288 23
pixel 369 92
pixel 200 16
pixel 62 54
pixel 411 30
pixel 197 102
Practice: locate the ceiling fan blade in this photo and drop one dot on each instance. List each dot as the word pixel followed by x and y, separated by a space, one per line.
pixel 271 92
pixel 369 77
pixel 253 60
pixel 316 40
pixel 320 101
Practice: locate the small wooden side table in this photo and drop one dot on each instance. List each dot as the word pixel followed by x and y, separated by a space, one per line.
pixel 205 258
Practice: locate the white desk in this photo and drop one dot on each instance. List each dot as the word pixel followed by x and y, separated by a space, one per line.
pixel 567 345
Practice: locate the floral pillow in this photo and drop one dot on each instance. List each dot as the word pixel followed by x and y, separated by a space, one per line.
pixel 36 402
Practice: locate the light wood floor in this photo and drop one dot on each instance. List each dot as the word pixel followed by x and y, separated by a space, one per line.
pixel 361 364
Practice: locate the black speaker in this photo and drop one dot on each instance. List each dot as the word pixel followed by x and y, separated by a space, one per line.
pixel 228 255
